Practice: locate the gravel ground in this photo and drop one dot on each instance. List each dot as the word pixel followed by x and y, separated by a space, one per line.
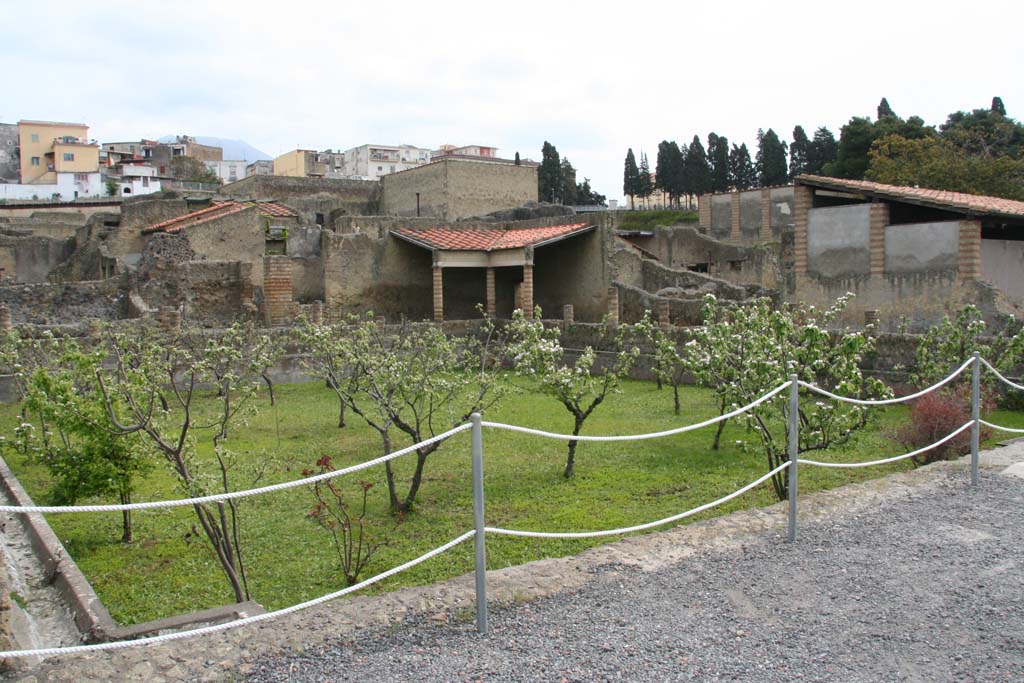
pixel 928 588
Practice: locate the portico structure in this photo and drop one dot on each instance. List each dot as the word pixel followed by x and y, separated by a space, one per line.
pixel 490 249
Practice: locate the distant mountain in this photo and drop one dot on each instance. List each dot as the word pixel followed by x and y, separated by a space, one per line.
pixel 234 150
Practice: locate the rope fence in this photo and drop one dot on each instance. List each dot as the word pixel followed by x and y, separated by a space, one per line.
pixel 480 530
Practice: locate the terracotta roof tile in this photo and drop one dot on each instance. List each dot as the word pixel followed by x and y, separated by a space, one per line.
pixel 488 239
pixel 956 201
pixel 219 209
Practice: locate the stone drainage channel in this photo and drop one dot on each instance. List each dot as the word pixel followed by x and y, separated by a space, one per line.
pixel 38 616
pixel 298 646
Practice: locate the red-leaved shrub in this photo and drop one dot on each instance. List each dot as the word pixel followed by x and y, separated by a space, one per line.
pixel 934 416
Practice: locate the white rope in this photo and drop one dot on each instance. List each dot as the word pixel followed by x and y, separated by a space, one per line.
pixel 639 527
pixel 234 494
pixel 888 460
pixel 888 401
pixel 639 437
pixel 1002 429
pixel 117 645
pixel 1000 375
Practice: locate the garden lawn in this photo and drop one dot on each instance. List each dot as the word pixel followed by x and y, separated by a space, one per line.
pixel 170 569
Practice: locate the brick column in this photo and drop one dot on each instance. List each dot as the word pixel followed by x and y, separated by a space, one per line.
pixel 766 215
pixel 526 291
pixel 492 305
pixel 735 234
pixel 438 294
pixel 803 198
pixel 5 319
pixel 613 306
pixel 665 314
pixel 277 290
pixel 970 250
pixel 878 218
pixel 704 212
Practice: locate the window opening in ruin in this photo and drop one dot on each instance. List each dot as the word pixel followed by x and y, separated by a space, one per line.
pixel 735 266
pixel 319 219
pixel 700 267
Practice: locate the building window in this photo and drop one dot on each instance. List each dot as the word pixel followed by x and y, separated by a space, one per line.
pixel 69 156
pixel 35 137
pixel 35 161
pixel 81 177
pixel 145 181
pixel 319 219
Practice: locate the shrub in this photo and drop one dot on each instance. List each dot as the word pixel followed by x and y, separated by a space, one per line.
pixel 932 417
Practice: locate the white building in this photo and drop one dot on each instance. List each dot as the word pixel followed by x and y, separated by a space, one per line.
pixel 227 171
pixel 135 179
pixel 69 187
pixel 373 161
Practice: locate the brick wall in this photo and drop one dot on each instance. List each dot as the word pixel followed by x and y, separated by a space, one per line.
pixel 970 250
pixel 236 237
pixel 877 220
pixel 803 198
pixel 278 305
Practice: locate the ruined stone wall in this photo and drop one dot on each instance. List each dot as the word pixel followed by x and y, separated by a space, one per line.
pixel 236 237
pixel 49 303
pixel 311 196
pixel 87 207
pixel 31 259
pixel 385 275
pixel 218 291
pixel 453 189
pixel 573 271
pixel 142 213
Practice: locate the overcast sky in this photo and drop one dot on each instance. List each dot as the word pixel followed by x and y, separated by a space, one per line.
pixel 590 77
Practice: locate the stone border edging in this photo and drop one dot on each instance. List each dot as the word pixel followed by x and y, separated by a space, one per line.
pixel 92 619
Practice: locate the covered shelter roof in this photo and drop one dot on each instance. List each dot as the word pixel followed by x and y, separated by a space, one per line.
pixel 489 239
pixel 958 202
pixel 219 209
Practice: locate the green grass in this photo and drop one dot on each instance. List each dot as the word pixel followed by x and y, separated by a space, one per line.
pixel 168 570
pixel 648 220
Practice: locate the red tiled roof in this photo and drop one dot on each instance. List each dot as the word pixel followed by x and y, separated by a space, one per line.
pixel 219 209
pixel 943 199
pixel 488 239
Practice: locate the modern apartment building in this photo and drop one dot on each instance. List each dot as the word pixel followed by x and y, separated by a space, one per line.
pixel 373 161
pixel 300 163
pixel 49 148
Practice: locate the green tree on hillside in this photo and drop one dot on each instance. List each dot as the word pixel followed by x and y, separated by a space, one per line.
pixel 669 170
pixel 549 175
pixel 772 168
pixel 192 170
pixel 631 178
pixel 696 169
pixel 567 194
pixel 884 109
pixel 741 167
pixel 646 183
pixel 821 151
pixel 798 152
pixel 718 160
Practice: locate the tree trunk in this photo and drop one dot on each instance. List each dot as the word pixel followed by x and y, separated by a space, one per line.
pixel 417 478
pixel 126 519
pixel 341 414
pixel 718 434
pixel 270 385
pixel 675 395
pixel 570 463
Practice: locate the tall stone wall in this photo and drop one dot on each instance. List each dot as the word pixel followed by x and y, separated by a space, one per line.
pixel 31 259
pixel 51 303
pixel 454 189
pixel 142 213
pixel 236 237
pixel 574 271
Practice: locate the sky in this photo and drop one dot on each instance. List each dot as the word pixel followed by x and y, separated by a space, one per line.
pixel 592 78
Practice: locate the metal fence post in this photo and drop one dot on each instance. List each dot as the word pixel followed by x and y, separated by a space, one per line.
pixel 975 416
pixel 794 447
pixel 479 540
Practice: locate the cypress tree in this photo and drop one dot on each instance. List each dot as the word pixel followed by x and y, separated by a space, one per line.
pixel 549 175
pixel 884 109
pixel 697 170
pixel 771 159
pixel 997 106
pixel 798 152
pixel 631 178
pixel 741 167
pixel 646 184
pixel 718 159
pixel 821 151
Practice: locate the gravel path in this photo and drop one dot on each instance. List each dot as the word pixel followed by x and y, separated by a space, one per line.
pixel 928 587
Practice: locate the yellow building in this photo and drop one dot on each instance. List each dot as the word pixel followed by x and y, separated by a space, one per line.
pixel 49 148
pixel 300 163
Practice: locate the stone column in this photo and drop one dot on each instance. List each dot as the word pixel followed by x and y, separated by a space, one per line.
pixel 526 291
pixel 735 233
pixel 613 306
pixel 665 314
pixel 567 316
pixel 766 215
pixel 277 290
pixel 970 250
pixel 704 212
pixel 878 218
pixel 492 304
pixel 317 314
pixel 5 319
pixel 438 294
pixel 803 198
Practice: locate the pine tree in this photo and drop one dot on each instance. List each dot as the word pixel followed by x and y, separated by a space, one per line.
pixel 884 109
pixel 567 192
pixel 631 178
pixel 518 163
pixel 798 152
pixel 646 184
pixel 821 151
pixel 698 172
pixel 771 159
pixel 742 168
pixel 718 159
pixel 549 175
